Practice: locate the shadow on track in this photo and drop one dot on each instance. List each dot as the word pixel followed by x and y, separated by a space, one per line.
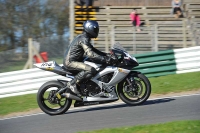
pixel 121 105
pixel 157 101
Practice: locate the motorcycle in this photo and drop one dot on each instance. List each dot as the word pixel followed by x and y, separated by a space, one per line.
pixel 108 85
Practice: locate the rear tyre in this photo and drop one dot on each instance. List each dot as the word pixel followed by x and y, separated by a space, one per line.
pixel 48 104
pixel 136 94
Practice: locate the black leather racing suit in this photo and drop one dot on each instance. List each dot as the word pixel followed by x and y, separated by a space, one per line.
pixel 74 56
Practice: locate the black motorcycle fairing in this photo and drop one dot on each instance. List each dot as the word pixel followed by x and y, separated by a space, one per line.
pixel 134 73
pixel 124 61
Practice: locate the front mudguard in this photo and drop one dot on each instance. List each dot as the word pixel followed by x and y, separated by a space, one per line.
pixel 132 73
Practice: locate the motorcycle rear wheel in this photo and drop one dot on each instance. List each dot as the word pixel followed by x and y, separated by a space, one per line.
pixel 47 103
pixel 137 95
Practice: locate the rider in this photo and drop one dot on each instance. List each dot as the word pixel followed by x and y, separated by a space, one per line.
pixel 80 46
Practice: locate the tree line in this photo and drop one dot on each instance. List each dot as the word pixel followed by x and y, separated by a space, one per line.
pixel 21 19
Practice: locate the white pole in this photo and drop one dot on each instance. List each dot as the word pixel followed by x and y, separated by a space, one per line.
pixel 112 35
pixel 156 38
pixel 106 41
pixel 71 17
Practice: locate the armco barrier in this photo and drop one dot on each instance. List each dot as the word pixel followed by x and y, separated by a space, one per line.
pixel 169 62
pixel 24 81
pixel 151 64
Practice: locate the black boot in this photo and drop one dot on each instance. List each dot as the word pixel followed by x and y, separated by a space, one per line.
pixel 73 87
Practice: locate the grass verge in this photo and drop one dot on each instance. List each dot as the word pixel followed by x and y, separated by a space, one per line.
pixel 160 85
pixel 192 126
pixel 175 83
pixel 17 104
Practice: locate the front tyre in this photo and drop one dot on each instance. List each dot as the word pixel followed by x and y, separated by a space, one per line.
pixel 136 93
pixel 49 104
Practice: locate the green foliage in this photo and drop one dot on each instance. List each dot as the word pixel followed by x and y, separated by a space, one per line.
pixel 22 19
pixel 192 126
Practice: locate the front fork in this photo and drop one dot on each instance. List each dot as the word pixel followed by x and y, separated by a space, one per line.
pixel 131 83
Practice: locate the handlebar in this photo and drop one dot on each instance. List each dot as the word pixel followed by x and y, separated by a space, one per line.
pixel 119 60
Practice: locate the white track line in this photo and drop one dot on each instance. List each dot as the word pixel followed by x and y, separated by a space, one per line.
pixel 101 105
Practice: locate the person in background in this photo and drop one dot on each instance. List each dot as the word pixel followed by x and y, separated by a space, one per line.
pixel 80 3
pixel 89 2
pixel 176 8
pixel 135 19
pixel 84 2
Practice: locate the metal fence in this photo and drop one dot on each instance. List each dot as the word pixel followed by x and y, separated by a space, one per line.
pixel 150 38
pixel 133 41
pixel 16 59
pixel 132 2
pixel 55 46
pixel 10 59
pixel 195 28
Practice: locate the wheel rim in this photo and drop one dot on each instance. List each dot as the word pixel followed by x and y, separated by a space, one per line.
pixel 137 92
pixel 52 104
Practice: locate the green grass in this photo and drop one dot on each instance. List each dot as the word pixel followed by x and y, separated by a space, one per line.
pixel 18 104
pixel 192 126
pixel 160 85
pixel 176 83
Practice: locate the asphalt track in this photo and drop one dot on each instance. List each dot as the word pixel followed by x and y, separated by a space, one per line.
pixel 106 116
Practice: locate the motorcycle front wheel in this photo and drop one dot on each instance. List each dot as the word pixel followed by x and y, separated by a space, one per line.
pixel 136 93
pixel 49 104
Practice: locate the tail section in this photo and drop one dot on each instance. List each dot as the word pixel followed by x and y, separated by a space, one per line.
pixel 52 66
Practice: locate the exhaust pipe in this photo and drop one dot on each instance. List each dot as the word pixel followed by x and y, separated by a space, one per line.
pixel 71 96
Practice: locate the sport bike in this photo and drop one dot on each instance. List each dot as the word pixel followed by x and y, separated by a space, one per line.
pixel 108 85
